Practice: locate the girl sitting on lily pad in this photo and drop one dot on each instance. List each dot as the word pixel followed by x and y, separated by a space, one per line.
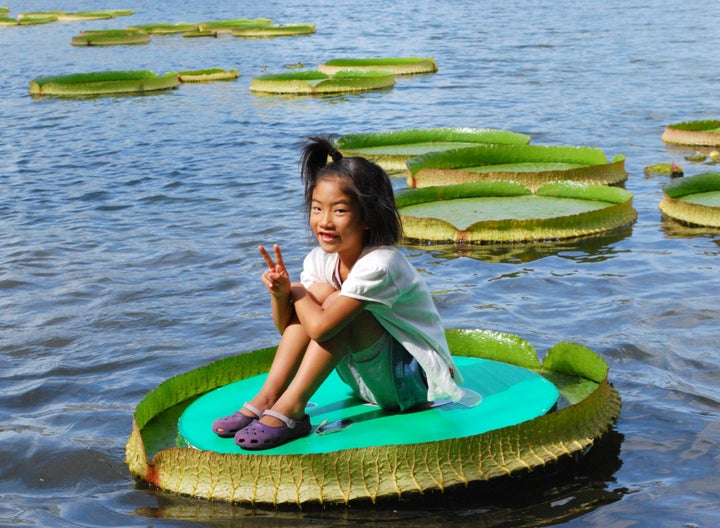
pixel 360 308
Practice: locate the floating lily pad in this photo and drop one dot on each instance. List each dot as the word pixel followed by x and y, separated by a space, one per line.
pixel 111 37
pixel 663 169
pixel 505 211
pixel 274 30
pixel 704 132
pixel 694 200
pixel 391 150
pixel 44 17
pixel 530 165
pixel 313 82
pixel 86 15
pixel 208 75
pixel 201 33
pixel 590 407
pixel 7 21
pixel 227 26
pixel 165 29
pixel 396 66
pixel 103 83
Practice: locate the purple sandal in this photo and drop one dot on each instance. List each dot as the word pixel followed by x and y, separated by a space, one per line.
pixel 258 436
pixel 229 425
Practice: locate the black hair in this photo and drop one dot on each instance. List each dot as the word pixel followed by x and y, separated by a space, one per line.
pixel 367 184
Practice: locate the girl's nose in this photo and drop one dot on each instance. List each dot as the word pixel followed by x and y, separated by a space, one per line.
pixel 326 219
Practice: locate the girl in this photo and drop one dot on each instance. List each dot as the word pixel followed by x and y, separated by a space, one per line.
pixel 360 308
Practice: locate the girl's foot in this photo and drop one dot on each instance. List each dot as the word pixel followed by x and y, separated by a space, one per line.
pixel 229 425
pixel 258 436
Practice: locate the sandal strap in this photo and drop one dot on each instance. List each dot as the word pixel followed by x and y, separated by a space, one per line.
pixel 287 421
pixel 257 412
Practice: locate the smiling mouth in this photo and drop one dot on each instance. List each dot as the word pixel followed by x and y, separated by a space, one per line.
pixel 327 237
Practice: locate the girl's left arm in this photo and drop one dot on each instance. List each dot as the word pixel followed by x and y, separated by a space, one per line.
pixel 323 322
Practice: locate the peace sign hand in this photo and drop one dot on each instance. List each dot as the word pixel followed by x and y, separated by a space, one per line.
pixel 276 277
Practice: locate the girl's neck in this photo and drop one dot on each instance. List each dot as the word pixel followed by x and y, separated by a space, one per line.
pixel 347 259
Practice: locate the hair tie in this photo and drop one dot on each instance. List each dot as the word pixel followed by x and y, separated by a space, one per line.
pixel 336 155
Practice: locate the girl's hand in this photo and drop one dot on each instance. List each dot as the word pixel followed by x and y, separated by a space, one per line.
pixel 276 278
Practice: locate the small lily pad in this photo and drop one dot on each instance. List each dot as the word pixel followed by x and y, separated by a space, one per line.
pixel 312 82
pixel 704 132
pixel 394 65
pixel 694 200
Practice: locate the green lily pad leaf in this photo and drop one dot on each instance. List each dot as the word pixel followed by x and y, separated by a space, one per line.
pixel 391 150
pixel 704 132
pixel 386 471
pixel 694 200
pixel 313 82
pixel 111 37
pixel 227 26
pixel 530 165
pixel 208 75
pixel 394 65
pixel 103 83
pixel 505 211
pixel 273 30
pixel 38 17
pixel 165 29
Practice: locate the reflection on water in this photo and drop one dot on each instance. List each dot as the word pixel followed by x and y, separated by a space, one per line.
pixel 130 226
pixel 673 228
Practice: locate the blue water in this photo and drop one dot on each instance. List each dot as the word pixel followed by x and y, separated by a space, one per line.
pixel 129 228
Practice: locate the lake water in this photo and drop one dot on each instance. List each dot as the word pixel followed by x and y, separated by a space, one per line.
pixel 130 225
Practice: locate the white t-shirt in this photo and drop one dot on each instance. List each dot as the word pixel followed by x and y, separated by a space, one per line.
pixel 401 302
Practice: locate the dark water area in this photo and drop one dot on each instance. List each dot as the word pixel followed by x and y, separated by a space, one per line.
pixel 129 228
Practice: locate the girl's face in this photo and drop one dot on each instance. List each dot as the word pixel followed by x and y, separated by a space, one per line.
pixel 336 221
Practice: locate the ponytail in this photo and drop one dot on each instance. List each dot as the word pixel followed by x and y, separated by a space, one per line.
pixel 315 153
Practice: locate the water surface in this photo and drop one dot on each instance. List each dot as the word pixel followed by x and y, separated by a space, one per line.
pixel 130 225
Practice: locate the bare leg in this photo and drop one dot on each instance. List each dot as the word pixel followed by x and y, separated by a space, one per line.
pixel 289 355
pixel 319 361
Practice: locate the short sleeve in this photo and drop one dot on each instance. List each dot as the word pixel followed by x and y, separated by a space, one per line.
pixel 317 268
pixel 372 280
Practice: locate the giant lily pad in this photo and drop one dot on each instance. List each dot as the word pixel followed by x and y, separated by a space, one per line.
pixel 704 133
pixel 396 66
pixel 103 83
pixel 111 37
pixel 311 82
pixel 227 26
pixel 38 17
pixel 208 75
pixel 165 29
pixel 505 211
pixel 391 150
pixel 273 30
pixel 590 406
pixel 694 200
pixel 530 165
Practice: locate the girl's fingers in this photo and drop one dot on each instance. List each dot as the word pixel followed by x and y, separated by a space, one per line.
pixel 279 257
pixel 266 256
